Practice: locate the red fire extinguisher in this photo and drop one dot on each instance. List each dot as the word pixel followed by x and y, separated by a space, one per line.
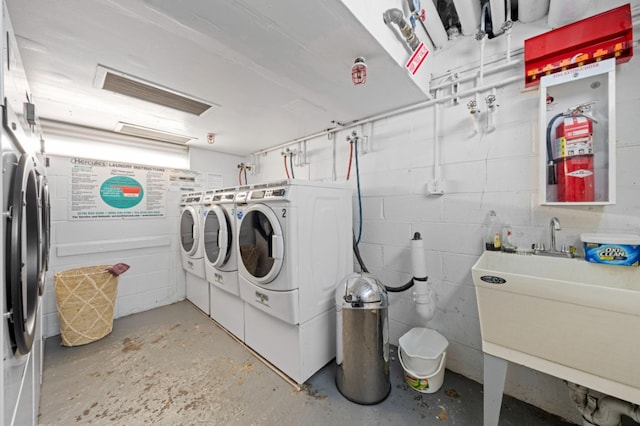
pixel 572 156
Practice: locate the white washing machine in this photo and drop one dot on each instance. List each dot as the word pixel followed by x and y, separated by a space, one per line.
pixel 221 264
pixel 294 247
pixel 23 231
pixel 192 251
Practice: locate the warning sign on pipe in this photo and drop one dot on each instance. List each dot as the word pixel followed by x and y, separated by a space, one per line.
pixel 418 57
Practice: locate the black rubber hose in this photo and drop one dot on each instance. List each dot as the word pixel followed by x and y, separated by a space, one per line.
pixel 356 251
pixel 551 167
pixel 363 267
pixel 400 289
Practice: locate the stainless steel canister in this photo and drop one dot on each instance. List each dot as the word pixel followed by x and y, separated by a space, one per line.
pixel 362 347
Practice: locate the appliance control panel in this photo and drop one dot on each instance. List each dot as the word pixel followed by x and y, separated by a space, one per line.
pixel 267 194
pixel 224 198
pixel 191 198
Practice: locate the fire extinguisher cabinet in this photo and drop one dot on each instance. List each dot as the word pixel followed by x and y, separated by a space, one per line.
pixel 577 136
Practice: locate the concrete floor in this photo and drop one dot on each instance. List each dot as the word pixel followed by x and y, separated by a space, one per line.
pixel 175 366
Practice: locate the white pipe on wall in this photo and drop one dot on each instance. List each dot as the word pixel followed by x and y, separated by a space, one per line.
pixel 423 296
pixel 515 52
pixel 601 410
pixel 436 141
pixel 481 71
pixel 475 75
pixel 491 111
pixel 395 112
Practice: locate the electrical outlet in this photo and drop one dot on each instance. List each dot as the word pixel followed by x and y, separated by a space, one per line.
pixel 435 186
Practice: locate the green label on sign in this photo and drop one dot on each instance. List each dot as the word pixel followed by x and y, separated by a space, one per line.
pixel 121 192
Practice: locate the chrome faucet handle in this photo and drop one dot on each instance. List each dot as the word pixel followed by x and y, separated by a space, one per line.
pixel 537 246
pixel 554 225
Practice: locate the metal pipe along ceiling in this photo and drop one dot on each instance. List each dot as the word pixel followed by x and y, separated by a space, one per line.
pixel 396 16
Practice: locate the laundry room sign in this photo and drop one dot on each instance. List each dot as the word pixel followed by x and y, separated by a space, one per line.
pixel 102 189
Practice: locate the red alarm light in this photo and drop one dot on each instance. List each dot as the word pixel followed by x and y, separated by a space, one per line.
pixel 359 71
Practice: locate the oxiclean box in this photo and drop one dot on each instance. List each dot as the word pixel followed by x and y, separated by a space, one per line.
pixel 612 249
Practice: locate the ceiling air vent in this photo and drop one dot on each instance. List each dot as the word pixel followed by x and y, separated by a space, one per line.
pixel 147 133
pixel 118 82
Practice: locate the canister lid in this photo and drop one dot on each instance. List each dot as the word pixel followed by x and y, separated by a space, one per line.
pixel 361 288
pixel 611 238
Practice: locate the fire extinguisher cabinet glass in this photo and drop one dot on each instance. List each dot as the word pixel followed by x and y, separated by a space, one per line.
pixel 577 135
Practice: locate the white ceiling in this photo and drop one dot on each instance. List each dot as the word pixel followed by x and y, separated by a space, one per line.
pixel 276 69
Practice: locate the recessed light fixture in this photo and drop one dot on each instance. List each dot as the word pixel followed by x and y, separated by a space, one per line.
pixel 149 133
pixel 135 87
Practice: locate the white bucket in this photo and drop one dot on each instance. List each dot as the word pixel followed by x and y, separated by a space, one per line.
pixel 422 350
pixel 424 384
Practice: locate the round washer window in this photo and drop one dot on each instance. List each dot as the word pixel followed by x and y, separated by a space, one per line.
pixel 187 229
pixel 23 257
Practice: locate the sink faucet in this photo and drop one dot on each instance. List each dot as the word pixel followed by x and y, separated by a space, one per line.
pixel 566 251
pixel 554 226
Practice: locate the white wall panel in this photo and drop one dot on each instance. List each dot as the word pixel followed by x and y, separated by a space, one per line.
pixel 397 259
pixel 372 253
pixel 489 171
pixel 465 358
pixel 387 233
pixel 372 208
pixel 203 160
pixel 456 268
pixel 413 208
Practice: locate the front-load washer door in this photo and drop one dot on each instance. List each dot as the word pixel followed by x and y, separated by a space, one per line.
pixel 217 237
pixel 261 245
pixel 22 255
pixel 189 229
pixel 45 229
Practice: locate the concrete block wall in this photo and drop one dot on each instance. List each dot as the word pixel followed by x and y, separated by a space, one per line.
pixel 149 245
pixel 482 172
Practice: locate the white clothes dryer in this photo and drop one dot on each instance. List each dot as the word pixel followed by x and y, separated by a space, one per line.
pixel 294 247
pixel 22 233
pixel 22 236
pixel 221 264
pixel 191 250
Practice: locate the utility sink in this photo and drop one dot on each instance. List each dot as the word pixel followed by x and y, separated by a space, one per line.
pixel 566 317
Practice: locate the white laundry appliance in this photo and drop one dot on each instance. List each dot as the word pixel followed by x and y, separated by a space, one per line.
pixel 24 234
pixel 294 247
pixel 191 249
pixel 221 260
pixel 24 267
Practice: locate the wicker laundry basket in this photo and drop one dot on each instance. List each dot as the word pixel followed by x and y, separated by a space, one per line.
pixel 85 298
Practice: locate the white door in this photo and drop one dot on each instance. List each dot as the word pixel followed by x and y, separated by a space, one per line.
pixel 217 237
pixel 189 230
pixel 23 249
pixel 261 245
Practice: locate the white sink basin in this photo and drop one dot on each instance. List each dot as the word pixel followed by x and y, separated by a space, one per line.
pixel 566 317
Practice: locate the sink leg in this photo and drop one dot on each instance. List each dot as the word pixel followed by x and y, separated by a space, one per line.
pixel 495 372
